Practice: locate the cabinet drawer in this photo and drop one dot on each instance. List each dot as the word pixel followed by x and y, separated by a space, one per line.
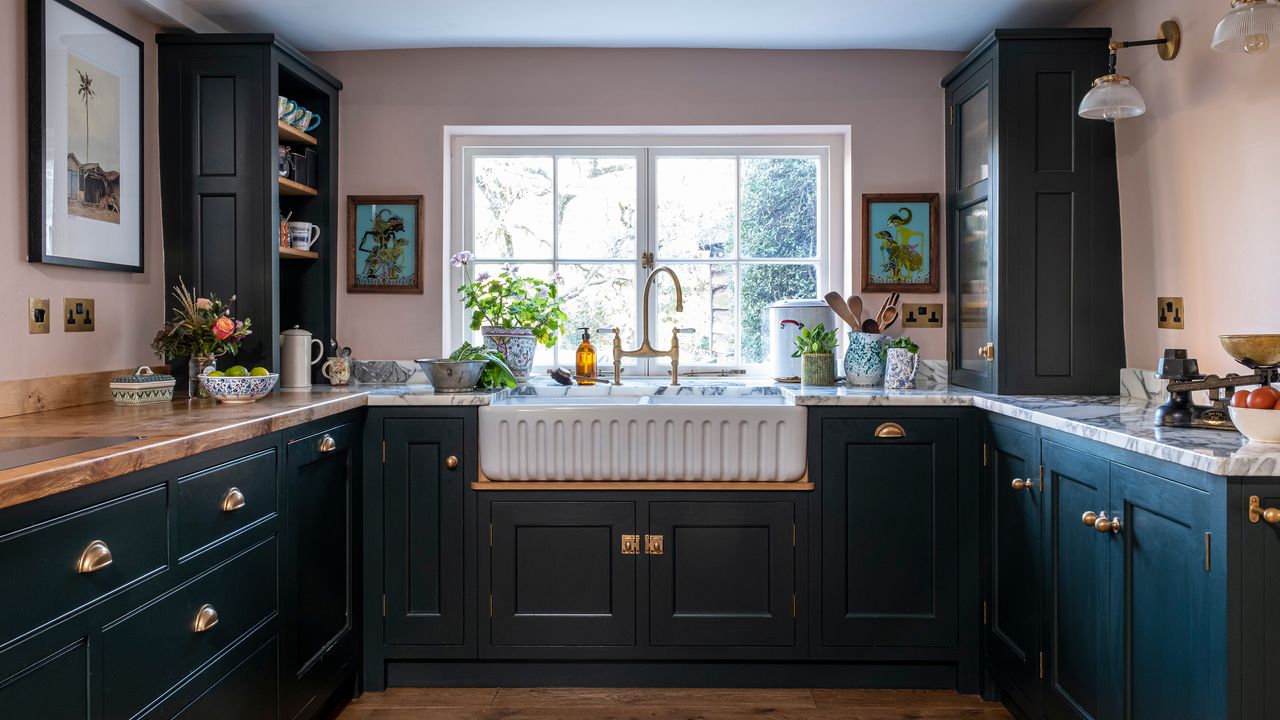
pixel 157 646
pixel 220 501
pixel 44 579
pixel 55 687
pixel 248 692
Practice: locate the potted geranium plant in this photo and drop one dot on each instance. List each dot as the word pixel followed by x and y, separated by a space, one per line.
pixel 202 330
pixel 816 347
pixel 513 313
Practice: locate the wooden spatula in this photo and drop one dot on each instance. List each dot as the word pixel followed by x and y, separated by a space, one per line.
pixel 837 303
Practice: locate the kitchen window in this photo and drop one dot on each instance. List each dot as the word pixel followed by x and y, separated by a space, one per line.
pixel 741 225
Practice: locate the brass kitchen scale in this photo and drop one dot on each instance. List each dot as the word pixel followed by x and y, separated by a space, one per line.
pixel 1260 353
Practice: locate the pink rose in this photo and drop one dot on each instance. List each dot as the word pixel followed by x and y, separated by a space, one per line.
pixel 224 327
pixel 204 304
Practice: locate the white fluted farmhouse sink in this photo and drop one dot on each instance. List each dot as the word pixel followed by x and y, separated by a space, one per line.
pixel 644 437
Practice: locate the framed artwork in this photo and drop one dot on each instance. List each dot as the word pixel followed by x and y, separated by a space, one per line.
pixel 384 244
pixel 84 120
pixel 900 242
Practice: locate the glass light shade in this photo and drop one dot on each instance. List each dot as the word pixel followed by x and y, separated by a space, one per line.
pixel 1112 98
pixel 1250 27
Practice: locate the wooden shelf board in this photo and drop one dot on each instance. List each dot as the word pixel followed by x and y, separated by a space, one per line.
pixel 296 189
pixel 296 254
pixel 289 133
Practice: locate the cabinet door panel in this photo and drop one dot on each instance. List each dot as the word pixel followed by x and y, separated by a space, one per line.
pixel 1260 606
pixel 726 575
pixel 55 687
pixel 1014 613
pixel 424 547
pixel 889 556
pixel 1077 568
pixel 558 577
pixel 1160 612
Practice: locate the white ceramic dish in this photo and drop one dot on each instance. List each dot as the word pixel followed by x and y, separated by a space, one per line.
pixel 1260 426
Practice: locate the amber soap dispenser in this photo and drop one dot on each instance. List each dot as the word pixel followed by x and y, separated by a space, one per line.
pixel 585 360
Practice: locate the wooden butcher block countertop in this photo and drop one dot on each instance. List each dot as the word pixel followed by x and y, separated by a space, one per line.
pixel 166 432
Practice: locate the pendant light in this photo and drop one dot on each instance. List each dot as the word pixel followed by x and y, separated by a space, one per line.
pixel 1249 27
pixel 1112 96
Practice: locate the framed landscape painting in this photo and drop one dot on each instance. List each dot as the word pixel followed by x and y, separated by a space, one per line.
pixel 384 244
pixel 900 242
pixel 85 169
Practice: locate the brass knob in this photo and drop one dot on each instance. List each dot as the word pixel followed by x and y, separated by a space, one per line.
pixel 890 430
pixel 1270 516
pixel 1104 524
pixel 206 618
pixel 451 462
pixel 233 500
pixel 327 444
pixel 1020 484
pixel 1089 518
pixel 95 556
pixel 988 352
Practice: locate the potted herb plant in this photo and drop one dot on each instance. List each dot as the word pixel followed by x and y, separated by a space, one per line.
pixel 816 347
pixel 902 358
pixel 202 330
pixel 513 313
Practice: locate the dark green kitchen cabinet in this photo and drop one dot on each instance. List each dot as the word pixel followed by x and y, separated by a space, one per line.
pixel 424 491
pixel 318 638
pixel 1259 576
pixel 1012 613
pixel 1033 225
pixel 55 686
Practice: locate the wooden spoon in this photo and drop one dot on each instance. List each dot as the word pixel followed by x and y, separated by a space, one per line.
pixel 837 303
pixel 869 326
pixel 888 318
pixel 855 307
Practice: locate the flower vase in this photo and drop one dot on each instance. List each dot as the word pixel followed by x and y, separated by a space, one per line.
pixel 818 369
pixel 863 362
pixel 900 369
pixel 198 365
pixel 515 345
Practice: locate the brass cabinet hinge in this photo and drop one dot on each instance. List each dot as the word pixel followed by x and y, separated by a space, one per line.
pixel 1041 478
pixel 793 604
pixel 490 534
pixel 793 534
pixel 1208 539
pixel 384 452
pixel 491 609
pixel 951 115
pixel 384 604
pixel 986 613
pixel 986 460
pixel 1042 664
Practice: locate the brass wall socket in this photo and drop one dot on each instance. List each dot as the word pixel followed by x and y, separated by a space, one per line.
pixel 926 315
pixel 1169 313
pixel 78 315
pixel 38 316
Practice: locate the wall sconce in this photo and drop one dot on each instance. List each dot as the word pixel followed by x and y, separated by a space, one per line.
pixel 1112 97
pixel 1249 27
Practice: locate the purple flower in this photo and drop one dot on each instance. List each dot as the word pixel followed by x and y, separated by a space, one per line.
pixel 544 293
pixel 461 258
pixel 482 277
pixel 557 278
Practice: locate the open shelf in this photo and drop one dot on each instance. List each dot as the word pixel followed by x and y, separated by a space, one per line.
pixel 289 133
pixel 288 253
pixel 296 189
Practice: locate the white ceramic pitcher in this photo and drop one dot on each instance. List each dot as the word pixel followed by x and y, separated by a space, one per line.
pixel 296 359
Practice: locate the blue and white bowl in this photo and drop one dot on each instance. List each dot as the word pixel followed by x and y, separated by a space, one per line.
pixel 238 389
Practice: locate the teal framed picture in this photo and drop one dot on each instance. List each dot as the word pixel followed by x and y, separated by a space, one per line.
pixel 900 242
pixel 384 244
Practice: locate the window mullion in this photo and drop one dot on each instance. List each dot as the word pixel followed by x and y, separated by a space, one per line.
pixel 555 235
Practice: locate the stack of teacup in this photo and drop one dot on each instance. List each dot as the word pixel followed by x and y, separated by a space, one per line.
pixel 292 112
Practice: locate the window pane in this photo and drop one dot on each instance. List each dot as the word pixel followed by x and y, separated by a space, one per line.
pixel 512 207
pixel 597 210
pixel 779 207
pixel 710 307
pixel 599 296
pixel 766 284
pixel 696 205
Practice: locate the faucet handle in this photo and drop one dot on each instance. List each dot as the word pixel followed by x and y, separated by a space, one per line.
pixel 684 331
pixel 603 330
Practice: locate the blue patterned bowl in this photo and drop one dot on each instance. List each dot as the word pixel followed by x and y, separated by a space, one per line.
pixel 238 389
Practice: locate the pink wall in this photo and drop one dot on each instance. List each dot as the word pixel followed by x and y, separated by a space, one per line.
pixel 129 306
pixel 396 103
pixel 1198 183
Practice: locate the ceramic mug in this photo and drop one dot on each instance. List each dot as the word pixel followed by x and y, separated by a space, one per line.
pixel 307 121
pixel 302 235
pixel 900 369
pixel 337 370
pixel 284 106
pixel 292 116
pixel 863 363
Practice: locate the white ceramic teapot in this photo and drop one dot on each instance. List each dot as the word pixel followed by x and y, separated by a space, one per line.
pixel 296 359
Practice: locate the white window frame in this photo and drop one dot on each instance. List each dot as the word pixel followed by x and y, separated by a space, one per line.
pixel 827 144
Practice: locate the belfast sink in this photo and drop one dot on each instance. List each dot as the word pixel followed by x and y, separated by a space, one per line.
pixel 643 437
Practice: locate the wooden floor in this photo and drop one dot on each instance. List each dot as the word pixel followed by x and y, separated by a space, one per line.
pixel 666 704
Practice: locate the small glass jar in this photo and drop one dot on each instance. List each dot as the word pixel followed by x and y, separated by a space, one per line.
pixel 197 365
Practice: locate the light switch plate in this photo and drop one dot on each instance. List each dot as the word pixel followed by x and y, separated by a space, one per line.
pixel 78 315
pixel 925 315
pixel 38 316
pixel 1169 313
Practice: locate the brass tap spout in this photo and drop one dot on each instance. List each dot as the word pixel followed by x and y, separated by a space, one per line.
pixel 646 349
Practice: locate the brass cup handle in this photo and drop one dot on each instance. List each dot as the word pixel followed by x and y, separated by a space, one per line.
pixel 1020 484
pixel 890 430
pixel 233 500
pixel 451 462
pixel 1270 516
pixel 206 618
pixel 95 556
pixel 328 444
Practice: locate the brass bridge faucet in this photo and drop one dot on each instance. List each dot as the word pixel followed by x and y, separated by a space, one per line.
pixel 647 350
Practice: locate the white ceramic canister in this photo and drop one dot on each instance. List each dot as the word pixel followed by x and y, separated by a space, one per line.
pixel 296 359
